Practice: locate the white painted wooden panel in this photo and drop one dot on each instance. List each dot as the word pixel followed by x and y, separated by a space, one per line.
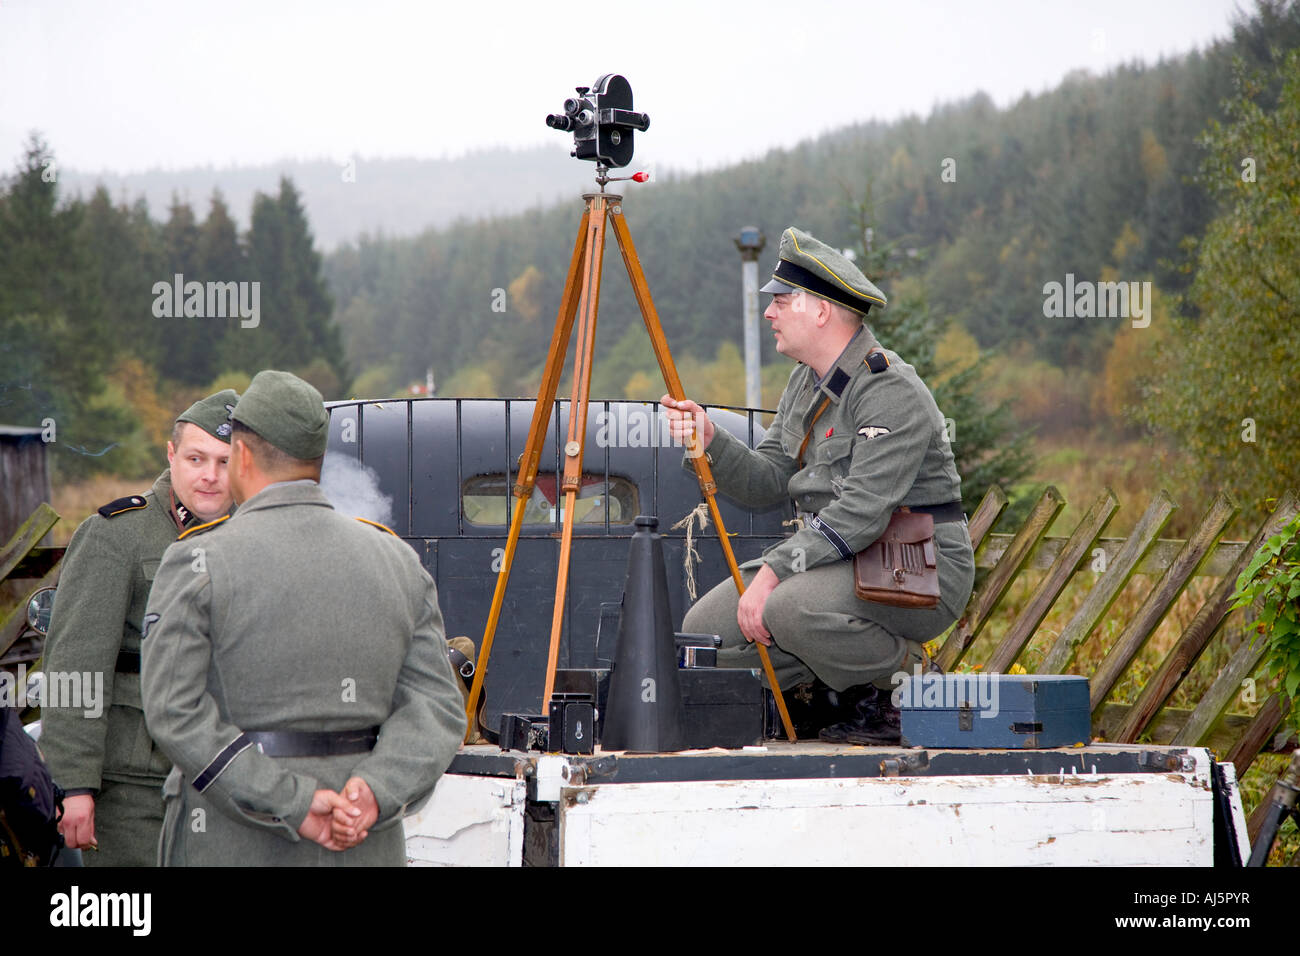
pixel 469 821
pixel 1156 819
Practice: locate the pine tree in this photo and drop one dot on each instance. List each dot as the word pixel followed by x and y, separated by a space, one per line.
pixel 295 328
pixel 217 257
pixel 55 346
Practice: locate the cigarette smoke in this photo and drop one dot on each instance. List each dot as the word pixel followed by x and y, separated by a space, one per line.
pixel 353 489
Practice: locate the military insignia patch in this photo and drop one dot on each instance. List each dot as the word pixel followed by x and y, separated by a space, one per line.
pixel 149 621
pixel 223 430
pixel 872 431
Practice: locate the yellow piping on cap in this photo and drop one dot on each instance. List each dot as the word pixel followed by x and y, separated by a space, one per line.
pixel 861 295
pixel 791 282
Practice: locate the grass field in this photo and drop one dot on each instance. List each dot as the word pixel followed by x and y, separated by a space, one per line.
pixel 76 502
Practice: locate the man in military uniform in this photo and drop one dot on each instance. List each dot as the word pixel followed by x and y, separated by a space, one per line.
pixel 857 435
pixel 102 756
pixel 296 670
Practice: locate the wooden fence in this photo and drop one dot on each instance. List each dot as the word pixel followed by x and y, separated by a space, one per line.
pixel 1171 564
pixel 28 567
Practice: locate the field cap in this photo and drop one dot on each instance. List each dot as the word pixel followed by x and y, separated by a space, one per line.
pixel 286 411
pixel 212 414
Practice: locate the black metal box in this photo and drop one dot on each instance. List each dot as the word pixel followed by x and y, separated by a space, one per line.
pixel 723 705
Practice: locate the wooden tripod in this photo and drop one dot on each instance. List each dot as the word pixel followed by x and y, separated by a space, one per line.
pixel 581 299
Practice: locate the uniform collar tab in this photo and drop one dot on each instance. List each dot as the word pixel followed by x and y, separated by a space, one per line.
pixel 838 375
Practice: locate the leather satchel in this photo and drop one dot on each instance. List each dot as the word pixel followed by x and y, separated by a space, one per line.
pixel 899 569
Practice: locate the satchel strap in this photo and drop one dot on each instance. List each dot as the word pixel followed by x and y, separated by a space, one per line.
pixel 873 363
pixel 808 435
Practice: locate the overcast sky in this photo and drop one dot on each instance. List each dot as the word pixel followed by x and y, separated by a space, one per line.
pixel 127 85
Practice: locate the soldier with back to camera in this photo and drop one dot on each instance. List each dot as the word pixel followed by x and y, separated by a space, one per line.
pixel 296 671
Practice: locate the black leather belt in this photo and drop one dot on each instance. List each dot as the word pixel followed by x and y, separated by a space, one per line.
pixel 951 511
pixel 128 662
pixel 311 743
pixel 946 512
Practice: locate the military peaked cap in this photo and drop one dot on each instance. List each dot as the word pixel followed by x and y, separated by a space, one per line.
pixel 809 264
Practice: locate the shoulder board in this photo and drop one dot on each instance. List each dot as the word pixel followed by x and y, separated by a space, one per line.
pixel 876 361
pixel 376 524
pixel 123 505
pixel 200 528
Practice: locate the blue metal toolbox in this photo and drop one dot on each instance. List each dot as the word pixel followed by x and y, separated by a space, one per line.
pixel 1021 711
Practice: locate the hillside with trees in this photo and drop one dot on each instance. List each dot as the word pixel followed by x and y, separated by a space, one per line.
pixel 966 218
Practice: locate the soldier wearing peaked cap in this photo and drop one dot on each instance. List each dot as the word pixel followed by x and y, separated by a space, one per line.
pixel 99 750
pixel 857 435
pixel 296 672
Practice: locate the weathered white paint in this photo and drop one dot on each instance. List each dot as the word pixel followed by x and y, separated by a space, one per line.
pixel 1073 817
pixel 469 821
pixel 552 774
pixel 1157 819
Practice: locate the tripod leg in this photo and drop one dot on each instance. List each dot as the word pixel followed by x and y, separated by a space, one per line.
pixel 577 435
pixel 705 474
pixel 531 459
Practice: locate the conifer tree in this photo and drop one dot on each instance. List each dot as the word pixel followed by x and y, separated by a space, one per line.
pixel 54 345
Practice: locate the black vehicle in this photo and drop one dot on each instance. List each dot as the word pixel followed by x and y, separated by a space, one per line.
pixel 449 466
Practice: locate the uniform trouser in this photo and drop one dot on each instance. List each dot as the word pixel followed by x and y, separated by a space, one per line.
pixel 820 628
pixel 128 821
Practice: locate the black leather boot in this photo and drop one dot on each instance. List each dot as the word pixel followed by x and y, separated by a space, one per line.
pixel 811 708
pixel 870 718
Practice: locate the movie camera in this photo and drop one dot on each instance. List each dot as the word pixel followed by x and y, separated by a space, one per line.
pixel 602 121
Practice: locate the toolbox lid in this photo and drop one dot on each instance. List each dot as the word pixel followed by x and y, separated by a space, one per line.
pixel 1032 693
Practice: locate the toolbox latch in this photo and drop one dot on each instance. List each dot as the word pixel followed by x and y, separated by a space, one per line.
pixel 966 717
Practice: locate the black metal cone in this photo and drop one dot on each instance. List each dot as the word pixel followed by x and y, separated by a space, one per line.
pixel 644 711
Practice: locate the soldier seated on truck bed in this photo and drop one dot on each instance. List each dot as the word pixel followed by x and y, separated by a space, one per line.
pixel 857 434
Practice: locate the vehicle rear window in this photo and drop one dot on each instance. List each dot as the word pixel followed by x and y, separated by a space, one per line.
pixel 484 499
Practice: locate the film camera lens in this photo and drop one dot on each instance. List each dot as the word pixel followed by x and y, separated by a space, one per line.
pixel 602 121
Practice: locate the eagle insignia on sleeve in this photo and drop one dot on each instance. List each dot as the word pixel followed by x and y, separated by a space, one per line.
pixel 872 431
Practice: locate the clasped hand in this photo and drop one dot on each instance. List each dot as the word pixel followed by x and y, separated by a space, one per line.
pixel 340 821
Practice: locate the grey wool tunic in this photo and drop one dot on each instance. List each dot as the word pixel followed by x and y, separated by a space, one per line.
pixel 292 617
